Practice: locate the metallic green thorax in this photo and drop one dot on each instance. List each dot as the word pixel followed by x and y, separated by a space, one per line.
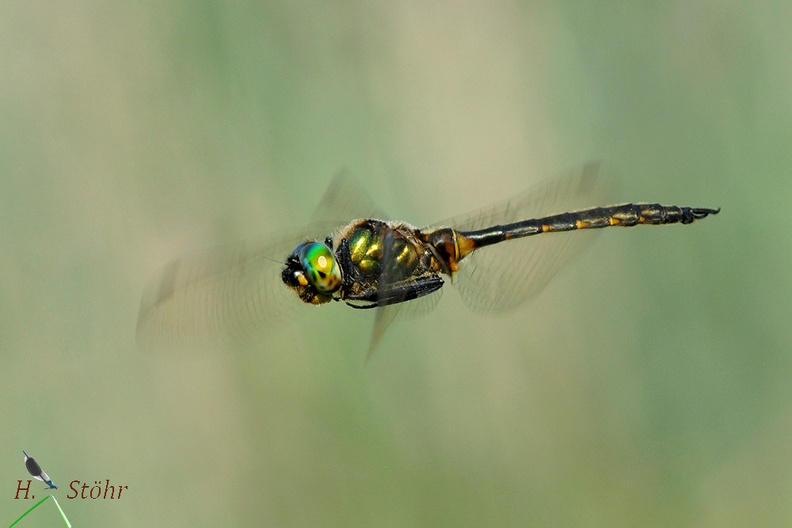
pixel 370 240
pixel 384 256
pixel 379 263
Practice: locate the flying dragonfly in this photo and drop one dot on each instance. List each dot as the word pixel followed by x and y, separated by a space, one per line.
pixel 231 294
pixel 35 470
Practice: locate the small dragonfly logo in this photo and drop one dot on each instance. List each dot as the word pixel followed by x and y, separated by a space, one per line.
pixel 38 473
pixel 35 470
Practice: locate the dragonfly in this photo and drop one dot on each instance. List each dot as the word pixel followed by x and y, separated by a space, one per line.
pixel 35 470
pixel 231 294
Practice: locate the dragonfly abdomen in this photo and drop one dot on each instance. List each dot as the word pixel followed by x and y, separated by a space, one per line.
pixel 625 215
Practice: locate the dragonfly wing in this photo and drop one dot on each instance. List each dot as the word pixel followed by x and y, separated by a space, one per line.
pixel 419 307
pixel 32 466
pixel 499 278
pixel 221 297
pixel 385 315
pixel 344 201
pixel 233 295
pixel 227 296
pixel 390 276
pixel 400 294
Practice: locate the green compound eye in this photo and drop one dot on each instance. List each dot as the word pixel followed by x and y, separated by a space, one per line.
pixel 320 267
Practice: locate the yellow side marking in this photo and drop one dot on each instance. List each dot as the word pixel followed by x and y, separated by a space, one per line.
pixel 614 221
pixel 581 224
pixel 464 245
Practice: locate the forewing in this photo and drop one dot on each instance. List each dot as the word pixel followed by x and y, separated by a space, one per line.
pixel 344 201
pixel 233 295
pixel 390 278
pixel 226 296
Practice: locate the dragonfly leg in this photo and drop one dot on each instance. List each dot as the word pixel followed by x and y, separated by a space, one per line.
pixel 350 274
pixel 396 293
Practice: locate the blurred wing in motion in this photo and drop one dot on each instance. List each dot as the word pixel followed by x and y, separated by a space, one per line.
pixel 499 278
pixel 227 296
pixel 233 295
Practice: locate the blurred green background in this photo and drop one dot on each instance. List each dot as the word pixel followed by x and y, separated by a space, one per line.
pixel 649 385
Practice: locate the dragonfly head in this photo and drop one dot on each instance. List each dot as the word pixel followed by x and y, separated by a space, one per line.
pixel 312 272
